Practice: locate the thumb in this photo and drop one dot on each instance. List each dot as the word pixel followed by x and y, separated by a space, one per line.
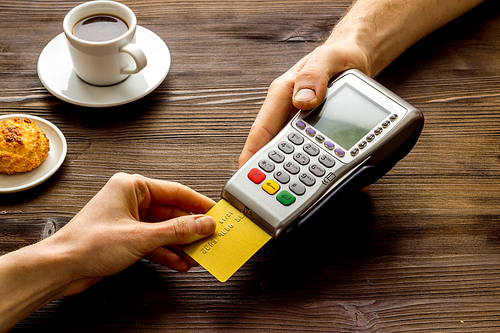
pixel 311 82
pixel 312 79
pixel 182 230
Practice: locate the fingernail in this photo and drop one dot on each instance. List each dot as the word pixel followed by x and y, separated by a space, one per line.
pixel 305 95
pixel 205 225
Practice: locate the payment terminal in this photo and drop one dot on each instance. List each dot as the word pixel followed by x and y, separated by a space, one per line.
pixel 357 134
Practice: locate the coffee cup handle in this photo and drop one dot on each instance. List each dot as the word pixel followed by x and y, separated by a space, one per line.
pixel 139 58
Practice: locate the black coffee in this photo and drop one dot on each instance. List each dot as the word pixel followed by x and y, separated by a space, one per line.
pixel 100 28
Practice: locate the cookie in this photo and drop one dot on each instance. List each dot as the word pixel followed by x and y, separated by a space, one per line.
pixel 23 146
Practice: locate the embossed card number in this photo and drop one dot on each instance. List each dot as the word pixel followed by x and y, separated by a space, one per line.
pixel 234 242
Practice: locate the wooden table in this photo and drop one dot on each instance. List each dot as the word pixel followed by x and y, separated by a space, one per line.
pixel 420 252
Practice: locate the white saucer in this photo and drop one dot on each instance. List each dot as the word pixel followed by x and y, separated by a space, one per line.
pixel 55 70
pixel 58 148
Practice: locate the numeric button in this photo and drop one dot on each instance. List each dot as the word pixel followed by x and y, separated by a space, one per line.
pixel 282 177
pixel 276 156
pixel 292 168
pixel 307 179
pixel 311 149
pixel 326 160
pixel 317 170
pixel 301 158
pixel 286 147
pixel 296 138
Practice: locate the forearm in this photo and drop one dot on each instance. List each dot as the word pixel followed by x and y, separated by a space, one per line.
pixel 29 278
pixel 369 37
pixel 131 217
pixel 386 28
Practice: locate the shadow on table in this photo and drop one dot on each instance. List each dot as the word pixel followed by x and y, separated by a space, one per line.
pixel 299 270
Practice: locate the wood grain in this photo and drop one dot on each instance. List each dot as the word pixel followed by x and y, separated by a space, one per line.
pixel 420 252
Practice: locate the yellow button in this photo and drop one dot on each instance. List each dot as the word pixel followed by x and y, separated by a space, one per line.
pixel 270 186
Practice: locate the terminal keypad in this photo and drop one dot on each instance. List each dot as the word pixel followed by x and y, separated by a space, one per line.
pixel 291 177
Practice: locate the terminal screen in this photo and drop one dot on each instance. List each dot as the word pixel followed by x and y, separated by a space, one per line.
pixel 346 116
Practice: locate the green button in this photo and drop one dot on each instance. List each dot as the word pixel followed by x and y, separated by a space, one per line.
pixel 286 198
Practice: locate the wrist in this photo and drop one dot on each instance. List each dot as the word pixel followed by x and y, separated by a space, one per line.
pixel 29 279
pixel 380 30
pixel 364 45
pixel 383 29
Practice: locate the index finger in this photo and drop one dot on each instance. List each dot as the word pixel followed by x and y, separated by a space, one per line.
pixel 277 110
pixel 179 196
pixel 274 114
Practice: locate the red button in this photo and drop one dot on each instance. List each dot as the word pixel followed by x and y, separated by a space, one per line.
pixel 256 176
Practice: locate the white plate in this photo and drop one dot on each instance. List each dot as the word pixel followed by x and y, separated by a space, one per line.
pixel 57 153
pixel 55 70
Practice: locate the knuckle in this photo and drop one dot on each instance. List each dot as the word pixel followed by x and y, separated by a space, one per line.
pixel 181 229
pixel 125 178
pixel 311 74
pixel 261 132
pixel 285 80
pixel 119 176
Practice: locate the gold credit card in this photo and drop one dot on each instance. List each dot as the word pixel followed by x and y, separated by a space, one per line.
pixel 235 240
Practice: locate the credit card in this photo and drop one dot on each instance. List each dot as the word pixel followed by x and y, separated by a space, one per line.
pixel 235 240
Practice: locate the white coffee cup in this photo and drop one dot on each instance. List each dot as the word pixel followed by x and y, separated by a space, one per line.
pixel 107 62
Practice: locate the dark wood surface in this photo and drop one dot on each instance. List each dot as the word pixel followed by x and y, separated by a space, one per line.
pixel 420 252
